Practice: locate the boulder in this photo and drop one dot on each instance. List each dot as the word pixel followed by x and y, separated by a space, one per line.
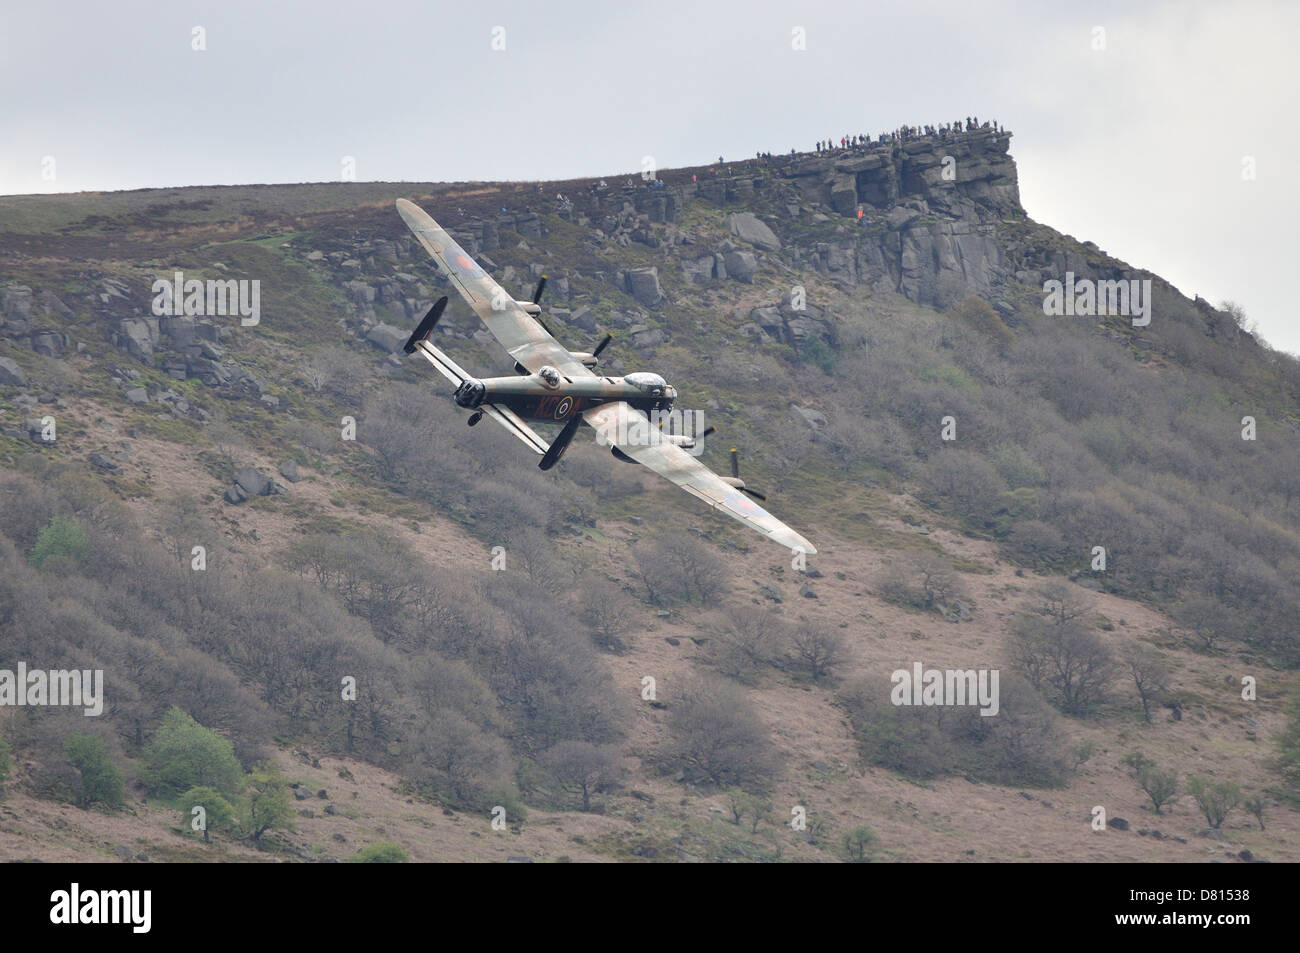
pixel 137 338
pixel 769 319
pixel 813 418
pixel 100 462
pixel 11 375
pixel 49 342
pixel 179 329
pixel 643 284
pixel 741 266
pixel 640 337
pixel 137 395
pixel 252 482
pixel 747 227
pixel 16 306
pixel 387 338
pixel 584 319
pixel 235 495
pixel 52 305
pixel 289 470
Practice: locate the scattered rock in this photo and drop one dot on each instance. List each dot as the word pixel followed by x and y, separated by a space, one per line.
pixel 289 470
pixel 100 462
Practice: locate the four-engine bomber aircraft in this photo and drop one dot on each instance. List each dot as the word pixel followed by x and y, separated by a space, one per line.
pixel 557 385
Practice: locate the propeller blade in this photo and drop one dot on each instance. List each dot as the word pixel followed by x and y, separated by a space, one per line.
pixel 537 295
pixel 602 345
pixel 754 493
pixel 709 432
pixel 425 327
pixel 735 463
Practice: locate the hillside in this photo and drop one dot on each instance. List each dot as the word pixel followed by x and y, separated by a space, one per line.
pixel 828 313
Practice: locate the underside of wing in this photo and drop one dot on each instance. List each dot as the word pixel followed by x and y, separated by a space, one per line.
pixel 617 424
pixel 498 412
pixel 522 336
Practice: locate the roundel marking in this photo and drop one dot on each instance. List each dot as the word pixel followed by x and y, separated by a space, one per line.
pixel 562 411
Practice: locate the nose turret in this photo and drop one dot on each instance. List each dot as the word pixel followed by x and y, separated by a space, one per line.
pixel 470 393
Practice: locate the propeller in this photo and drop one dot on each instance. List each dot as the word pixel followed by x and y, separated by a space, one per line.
pixel 537 299
pixel 604 343
pixel 425 327
pixel 735 473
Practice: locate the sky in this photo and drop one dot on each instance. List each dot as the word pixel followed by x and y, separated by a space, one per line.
pixel 1163 132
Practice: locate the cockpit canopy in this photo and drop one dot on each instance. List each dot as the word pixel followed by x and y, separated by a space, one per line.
pixel 550 376
pixel 652 384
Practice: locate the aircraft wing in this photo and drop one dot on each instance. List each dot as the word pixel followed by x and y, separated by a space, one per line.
pixel 522 336
pixel 612 422
pixel 500 413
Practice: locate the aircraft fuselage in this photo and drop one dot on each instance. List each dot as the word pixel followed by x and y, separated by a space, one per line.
pixel 533 399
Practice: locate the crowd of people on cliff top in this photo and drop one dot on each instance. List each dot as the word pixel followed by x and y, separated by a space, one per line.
pixel 906 133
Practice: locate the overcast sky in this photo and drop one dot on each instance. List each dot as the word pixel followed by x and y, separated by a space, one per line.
pixel 1139 146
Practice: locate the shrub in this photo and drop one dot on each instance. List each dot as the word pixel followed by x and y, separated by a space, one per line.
pixel 218 813
pixel 858 842
pixel 267 806
pixel 101 779
pixel 384 852
pixel 1215 799
pixel 183 754
pixel 62 541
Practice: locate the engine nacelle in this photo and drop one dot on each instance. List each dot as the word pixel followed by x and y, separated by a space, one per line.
pixel 585 358
pixel 530 307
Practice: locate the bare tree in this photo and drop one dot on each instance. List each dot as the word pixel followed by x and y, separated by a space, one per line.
pixel 582 765
pixel 748 644
pixel 817 648
pixel 1053 648
pixel 1150 673
pixel 717 735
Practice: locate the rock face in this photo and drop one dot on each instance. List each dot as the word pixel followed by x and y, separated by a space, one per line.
pixel 747 227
